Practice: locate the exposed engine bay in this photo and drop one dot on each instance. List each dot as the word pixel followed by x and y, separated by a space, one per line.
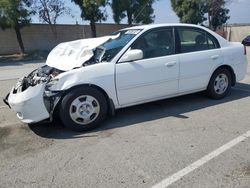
pixel 41 75
pixel 46 73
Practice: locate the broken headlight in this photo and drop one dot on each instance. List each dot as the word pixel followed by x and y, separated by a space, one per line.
pixel 51 83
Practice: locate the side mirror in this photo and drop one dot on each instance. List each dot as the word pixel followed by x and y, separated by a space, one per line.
pixel 132 55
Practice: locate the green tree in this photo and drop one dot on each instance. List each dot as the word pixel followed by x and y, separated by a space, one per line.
pixel 217 12
pixel 15 14
pixel 194 11
pixel 136 11
pixel 49 11
pixel 189 11
pixel 93 11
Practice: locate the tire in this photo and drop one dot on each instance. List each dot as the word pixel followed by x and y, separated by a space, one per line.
pixel 83 109
pixel 220 84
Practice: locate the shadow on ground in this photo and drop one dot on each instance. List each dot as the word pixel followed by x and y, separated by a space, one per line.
pixel 18 59
pixel 19 63
pixel 174 107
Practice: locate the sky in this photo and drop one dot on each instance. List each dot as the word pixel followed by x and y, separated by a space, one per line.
pixel 239 13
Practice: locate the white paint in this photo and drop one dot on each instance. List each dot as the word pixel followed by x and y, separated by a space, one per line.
pixel 132 83
pixel 69 55
pixel 29 104
pixel 178 175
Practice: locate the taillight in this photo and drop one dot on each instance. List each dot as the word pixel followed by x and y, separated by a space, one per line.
pixel 245 50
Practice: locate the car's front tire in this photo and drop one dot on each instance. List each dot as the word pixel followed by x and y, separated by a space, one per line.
pixel 83 109
pixel 220 84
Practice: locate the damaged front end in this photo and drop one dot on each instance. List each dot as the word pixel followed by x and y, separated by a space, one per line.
pixel 31 99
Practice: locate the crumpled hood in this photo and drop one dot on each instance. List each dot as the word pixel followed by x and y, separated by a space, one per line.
pixel 69 55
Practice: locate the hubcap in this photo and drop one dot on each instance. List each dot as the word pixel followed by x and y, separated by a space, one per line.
pixel 221 84
pixel 84 109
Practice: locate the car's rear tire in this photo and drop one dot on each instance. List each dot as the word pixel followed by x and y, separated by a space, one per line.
pixel 83 109
pixel 220 84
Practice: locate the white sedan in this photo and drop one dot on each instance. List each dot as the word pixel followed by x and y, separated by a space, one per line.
pixel 85 80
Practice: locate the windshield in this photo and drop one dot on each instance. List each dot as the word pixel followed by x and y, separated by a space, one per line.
pixel 108 50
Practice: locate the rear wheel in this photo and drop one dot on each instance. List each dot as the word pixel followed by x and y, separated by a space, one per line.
pixel 220 84
pixel 83 109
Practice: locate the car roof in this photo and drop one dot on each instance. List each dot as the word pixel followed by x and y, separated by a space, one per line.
pixel 151 26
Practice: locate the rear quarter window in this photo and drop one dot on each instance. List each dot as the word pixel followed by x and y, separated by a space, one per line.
pixel 193 39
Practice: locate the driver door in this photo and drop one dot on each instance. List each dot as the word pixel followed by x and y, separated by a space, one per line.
pixel 155 75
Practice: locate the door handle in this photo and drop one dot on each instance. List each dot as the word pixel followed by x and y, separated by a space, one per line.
pixel 214 57
pixel 171 64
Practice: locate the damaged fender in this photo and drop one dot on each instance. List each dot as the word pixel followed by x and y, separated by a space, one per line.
pixel 86 76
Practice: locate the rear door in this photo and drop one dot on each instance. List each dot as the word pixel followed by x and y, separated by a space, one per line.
pixel 155 75
pixel 199 53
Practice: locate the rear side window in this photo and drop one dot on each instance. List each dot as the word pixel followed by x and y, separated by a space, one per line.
pixel 156 43
pixel 192 40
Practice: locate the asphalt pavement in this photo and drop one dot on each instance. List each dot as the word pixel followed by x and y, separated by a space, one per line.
pixel 188 141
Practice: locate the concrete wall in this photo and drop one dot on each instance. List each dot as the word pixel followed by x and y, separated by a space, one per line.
pixel 41 36
pixel 237 33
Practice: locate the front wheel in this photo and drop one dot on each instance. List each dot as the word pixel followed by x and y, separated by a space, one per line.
pixel 83 109
pixel 220 84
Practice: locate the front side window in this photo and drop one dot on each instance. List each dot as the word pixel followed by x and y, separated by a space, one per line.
pixel 156 43
pixel 192 40
pixel 108 50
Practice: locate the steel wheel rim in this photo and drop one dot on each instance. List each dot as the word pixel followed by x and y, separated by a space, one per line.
pixel 84 109
pixel 221 84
